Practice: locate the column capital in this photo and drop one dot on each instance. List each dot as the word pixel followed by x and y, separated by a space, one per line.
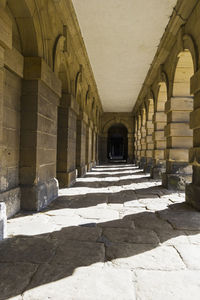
pixel 35 68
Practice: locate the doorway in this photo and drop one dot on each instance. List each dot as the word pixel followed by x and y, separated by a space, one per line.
pixel 117 149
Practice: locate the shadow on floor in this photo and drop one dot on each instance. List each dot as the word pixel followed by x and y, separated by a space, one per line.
pixel 28 262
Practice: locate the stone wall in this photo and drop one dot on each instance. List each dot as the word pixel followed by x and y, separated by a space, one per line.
pixel 45 80
pixel 173 84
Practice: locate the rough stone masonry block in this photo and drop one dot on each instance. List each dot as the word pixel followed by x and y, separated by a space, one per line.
pixel 3 221
pixel 37 197
pixel 192 193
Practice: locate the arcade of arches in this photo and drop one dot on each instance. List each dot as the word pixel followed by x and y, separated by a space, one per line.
pixel 53 127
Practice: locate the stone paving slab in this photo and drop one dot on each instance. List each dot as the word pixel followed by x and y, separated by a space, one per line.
pixel 77 254
pixel 183 220
pixel 119 238
pixel 14 278
pixel 27 249
pixel 136 236
pixel 77 233
pixel 87 283
pixel 190 255
pixel 172 237
pixel 144 256
pixel 173 285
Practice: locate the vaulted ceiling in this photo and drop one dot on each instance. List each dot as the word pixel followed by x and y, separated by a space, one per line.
pixel 121 38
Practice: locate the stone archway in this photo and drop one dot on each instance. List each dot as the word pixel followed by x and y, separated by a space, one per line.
pixel 117 143
pixel 179 135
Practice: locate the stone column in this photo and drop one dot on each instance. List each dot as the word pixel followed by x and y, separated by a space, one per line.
pixel 97 148
pixel 130 148
pixel 143 145
pixel 149 146
pixel 193 189
pixel 179 140
pixel 5 194
pixel 93 147
pixel 159 120
pixel 3 221
pixel 139 141
pixel 66 139
pixel 81 143
pixel 40 97
pixel 103 141
pixel 88 159
pixel 135 143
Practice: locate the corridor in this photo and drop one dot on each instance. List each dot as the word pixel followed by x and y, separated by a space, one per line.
pixel 116 234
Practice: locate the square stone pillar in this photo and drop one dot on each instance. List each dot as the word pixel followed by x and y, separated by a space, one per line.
pixel 93 147
pixel 88 153
pixel 40 97
pixel 143 147
pixel 66 140
pixel 9 179
pixel 3 221
pixel 138 146
pixel 149 147
pixel 103 144
pixel 193 189
pixel 82 121
pixel 97 148
pixel 135 147
pixel 130 148
pixel 179 140
pixel 159 164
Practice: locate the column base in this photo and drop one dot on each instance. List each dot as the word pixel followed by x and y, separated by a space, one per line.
pixel 3 221
pixel 142 162
pixel 66 179
pixel 94 164
pixel 148 165
pixel 12 199
pixel 175 181
pixel 81 171
pixel 157 171
pixel 37 197
pixel 192 193
pixel 89 167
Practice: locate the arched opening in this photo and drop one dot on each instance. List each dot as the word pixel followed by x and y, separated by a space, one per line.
pixel 117 147
pixel 64 161
pixel 179 135
pixel 183 72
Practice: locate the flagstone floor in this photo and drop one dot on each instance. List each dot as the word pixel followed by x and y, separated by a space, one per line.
pixel 116 234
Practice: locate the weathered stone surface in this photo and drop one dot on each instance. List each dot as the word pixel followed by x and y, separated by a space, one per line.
pixel 99 282
pixel 136 236
pixel 21 250
pixel 172 237
pixel 77 254
pixel 77 233
pixel 190 255
pixel 14 278
pixel 149 220
pixel 71 240
pixel 181 285
pixel 183 220
pixel 150 257
pixel 3 221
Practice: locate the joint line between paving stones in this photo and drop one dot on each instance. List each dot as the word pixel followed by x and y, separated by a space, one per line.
pixel 31 278
pixel 179 254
